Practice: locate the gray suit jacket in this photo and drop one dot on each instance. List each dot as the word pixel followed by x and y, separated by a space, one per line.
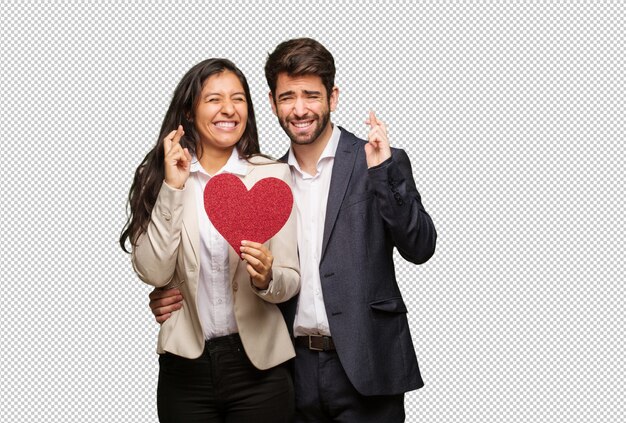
pixel 369 212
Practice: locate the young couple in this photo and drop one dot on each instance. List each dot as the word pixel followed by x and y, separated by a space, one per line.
pixel 224 344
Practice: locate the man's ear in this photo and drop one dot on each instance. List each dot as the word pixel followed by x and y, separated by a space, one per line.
pixel 334 98
pixel 272 103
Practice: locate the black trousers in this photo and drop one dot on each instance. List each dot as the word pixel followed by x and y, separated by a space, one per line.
pixel 324 393
pixel 222 386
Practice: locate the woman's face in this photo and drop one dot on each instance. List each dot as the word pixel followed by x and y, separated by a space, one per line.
pixel 221 112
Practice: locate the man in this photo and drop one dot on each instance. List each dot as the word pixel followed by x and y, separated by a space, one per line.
pixel 356 200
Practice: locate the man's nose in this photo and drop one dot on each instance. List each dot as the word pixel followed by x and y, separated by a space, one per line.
pixel 300 107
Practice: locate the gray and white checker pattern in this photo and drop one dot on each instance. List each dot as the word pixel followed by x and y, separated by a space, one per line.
pixel 512 113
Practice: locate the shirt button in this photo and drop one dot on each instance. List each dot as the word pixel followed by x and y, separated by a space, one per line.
pixel 235 286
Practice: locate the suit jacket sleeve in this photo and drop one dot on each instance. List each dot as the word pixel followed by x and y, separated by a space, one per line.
pixel 284 248
pixel 156 250
pixel 400 205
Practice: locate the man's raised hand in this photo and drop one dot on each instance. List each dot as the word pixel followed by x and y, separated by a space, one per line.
pixel 377 150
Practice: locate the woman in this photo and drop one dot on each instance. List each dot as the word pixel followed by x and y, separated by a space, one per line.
pixel 221 355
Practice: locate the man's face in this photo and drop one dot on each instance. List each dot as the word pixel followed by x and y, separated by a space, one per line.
pixel 303 107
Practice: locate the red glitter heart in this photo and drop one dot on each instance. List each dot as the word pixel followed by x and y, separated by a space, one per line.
pixel 239 214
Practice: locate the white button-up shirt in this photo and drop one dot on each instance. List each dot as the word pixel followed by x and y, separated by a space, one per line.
pixel 311 196
pixel 215 297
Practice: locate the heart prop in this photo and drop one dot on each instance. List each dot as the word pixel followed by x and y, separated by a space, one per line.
pixel 238 214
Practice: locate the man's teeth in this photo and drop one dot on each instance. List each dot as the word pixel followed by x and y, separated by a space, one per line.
pixel 302 124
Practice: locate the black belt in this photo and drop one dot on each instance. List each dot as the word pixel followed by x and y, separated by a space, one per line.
pixel 316 342
pixel 230 342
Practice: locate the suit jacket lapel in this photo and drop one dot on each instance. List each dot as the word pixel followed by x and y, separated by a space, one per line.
pixel 343 164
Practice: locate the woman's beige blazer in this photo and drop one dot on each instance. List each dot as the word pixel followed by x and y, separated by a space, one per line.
pixel 167 256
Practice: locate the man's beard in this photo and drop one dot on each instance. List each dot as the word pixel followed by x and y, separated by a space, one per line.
pixel 322 120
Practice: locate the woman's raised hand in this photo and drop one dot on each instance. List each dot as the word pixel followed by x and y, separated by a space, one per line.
pixel 177 159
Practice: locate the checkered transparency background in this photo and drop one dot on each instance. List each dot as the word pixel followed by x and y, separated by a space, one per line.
pixel 513 114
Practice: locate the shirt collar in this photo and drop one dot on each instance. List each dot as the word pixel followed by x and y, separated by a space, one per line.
pixel 235 165
pixel 329 151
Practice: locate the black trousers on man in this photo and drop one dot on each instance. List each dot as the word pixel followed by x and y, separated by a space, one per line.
pixel 324 393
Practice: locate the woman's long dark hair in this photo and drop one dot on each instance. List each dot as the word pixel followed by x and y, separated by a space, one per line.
pixel 150 173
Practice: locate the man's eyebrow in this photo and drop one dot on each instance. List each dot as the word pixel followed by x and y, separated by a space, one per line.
pixel 306 92
pixel 286 94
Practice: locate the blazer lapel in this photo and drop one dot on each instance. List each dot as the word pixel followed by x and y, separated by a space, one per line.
pixel 345 158
pixel 190 221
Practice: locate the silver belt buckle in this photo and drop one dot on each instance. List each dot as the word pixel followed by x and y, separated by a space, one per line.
pixel 311 347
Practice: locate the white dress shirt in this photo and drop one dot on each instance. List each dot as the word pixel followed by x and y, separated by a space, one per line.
pixel 311 196
pixel 215 299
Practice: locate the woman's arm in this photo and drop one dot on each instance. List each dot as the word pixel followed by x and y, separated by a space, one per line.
pixel 154 255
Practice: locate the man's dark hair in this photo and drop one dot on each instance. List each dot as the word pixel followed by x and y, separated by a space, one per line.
pixel 298 57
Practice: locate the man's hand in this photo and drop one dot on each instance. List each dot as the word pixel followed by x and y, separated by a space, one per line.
pixel 163 302
pixel 377 150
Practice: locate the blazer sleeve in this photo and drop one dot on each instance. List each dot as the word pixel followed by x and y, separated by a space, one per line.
pixel 154 255
pixel 284 248
pixel 400 205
